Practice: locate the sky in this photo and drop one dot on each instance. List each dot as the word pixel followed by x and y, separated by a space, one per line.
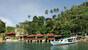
pixel 14 11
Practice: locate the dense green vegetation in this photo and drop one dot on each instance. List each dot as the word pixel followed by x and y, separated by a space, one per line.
pixel 71 21
pixel 4 29
pixel 10 29
pixel 2 26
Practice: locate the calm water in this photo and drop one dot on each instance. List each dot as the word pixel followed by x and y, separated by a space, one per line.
pixel 42 46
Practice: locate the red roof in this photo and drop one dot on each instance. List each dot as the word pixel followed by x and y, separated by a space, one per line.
pixel 35 38
pixel 58 35
pixel 11 33
pixel 32 35
pixel 31 38
pixel 25 36
pixel 40 39
pixel 39 35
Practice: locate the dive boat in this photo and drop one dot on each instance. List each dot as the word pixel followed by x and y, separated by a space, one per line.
pixel 64 41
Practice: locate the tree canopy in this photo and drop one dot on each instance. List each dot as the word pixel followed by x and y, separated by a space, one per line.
pixel 71 21
pixel 2 26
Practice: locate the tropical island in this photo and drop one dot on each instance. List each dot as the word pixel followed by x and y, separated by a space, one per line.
pixel 70 22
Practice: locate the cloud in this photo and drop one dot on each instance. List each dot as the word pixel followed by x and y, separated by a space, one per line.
pixel 7 21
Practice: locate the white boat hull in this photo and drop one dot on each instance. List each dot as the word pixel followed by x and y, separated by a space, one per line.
pixel 60 43
pixel 10 40
pixel 69 40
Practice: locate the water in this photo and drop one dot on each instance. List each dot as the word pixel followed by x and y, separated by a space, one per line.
pixel 42 46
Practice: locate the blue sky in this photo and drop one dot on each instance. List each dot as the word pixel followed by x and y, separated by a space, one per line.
pixel 14 11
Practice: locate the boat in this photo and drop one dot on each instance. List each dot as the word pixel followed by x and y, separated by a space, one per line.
pixel 11 40
pixel 64 41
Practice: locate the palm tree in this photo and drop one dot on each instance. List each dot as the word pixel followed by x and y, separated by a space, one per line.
pixel 51 11
pixel 65 7
pixel 46 11
pixel 57 10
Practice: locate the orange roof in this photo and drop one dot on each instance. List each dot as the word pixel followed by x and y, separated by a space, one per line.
pixel 50 34
pixel 51 39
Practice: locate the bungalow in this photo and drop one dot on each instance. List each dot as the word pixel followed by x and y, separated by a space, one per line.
pixel 50 36
pixel 10 35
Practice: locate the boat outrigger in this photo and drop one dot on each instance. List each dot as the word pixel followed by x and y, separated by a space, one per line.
pixel 64 41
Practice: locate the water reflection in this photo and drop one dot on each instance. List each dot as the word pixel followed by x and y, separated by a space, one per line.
pixel 25 46
pixel 11 46
pixel 42 46
pixel 63 47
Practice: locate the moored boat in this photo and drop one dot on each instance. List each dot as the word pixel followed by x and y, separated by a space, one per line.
pixel 64 41
pixel 11 40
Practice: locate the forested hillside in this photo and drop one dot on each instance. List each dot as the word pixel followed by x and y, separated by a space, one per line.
pixel 71 21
